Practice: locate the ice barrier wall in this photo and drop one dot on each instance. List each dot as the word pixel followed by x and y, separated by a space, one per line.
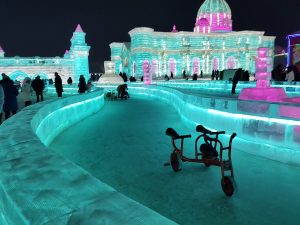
pixel 39 187
pixel 291 88
pixel 262 129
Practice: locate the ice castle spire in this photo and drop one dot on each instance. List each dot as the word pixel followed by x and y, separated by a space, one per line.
pixel 79 51
pixel 78 28
pixel 67 55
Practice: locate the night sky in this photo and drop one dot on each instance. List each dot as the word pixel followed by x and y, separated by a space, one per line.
pixel 44 28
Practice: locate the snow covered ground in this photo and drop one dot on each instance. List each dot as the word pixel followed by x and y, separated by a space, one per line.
pixel 125 146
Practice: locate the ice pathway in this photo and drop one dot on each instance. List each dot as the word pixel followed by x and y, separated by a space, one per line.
pixel 124 145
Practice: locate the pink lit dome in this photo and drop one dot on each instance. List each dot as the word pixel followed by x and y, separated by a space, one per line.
pixel 217 13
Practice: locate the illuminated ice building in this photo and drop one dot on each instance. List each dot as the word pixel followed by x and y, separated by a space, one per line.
pixel 211 46
pixel 72 64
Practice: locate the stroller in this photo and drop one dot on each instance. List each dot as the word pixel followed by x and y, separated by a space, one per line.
pixel 210 153
pixel 111 95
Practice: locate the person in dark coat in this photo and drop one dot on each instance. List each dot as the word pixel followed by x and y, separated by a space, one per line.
pixel 10 97
pixel 213 75
pixel 184 74
pixel 217 74
pixel 195 76
pixel 237 76
pixel 132 79
pixel 58 85
pixel 50 81
pixel 82 84
pixel 70 81
pixel 172 75
pixel 246 76
pixel 38 86
pixel 122 91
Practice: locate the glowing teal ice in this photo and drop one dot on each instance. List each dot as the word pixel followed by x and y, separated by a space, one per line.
pixel 73 64
pixel 217 49
pixel 214 6
pixel 80 51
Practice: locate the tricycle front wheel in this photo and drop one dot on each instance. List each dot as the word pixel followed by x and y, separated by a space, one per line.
pixel 227 186
pixel 175 161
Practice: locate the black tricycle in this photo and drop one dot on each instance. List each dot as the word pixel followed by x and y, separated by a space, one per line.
pixel 210 153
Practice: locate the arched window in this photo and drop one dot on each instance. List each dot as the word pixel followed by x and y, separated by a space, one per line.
pixel 172 66
pixel 230 63
pixel 154 68
pixel 196 66
pixel 215 65
pixel 18 75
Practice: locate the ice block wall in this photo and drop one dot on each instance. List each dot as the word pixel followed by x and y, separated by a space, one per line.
pixel 37 186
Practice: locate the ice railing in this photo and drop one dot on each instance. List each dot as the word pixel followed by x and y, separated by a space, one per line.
pixel 264 129
pixel 37 186
pixel 291 88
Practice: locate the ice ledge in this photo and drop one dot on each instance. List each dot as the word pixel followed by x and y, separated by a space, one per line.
pixel 37 186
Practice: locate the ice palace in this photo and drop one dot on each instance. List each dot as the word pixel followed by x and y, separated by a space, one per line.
pixel 83 160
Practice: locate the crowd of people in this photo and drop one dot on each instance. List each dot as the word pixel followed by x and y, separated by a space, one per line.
pixel 9 89
pixel 289 74
pixel 15 95
pixel 8 97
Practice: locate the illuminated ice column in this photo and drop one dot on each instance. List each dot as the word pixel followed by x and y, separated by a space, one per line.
pixel 146 72
pixel 79 51
pixel 264 65
pixel 141 45
pixel 116 55
pixel 263 91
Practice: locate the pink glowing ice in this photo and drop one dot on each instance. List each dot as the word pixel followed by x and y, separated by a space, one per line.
pixel 174 29
pixel 196 66
pixel 78 28
pixel 172 66
pixel 230 63
pixel 146 72
pixel 216 22
pixel 292 111
pixel 263 90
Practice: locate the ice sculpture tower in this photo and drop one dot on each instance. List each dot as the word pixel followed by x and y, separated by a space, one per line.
pixel 79 51
pixel 213 16
pixel 263 90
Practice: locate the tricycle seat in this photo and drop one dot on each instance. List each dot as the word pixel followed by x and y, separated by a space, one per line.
pixel 172 133
pixel 202 129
